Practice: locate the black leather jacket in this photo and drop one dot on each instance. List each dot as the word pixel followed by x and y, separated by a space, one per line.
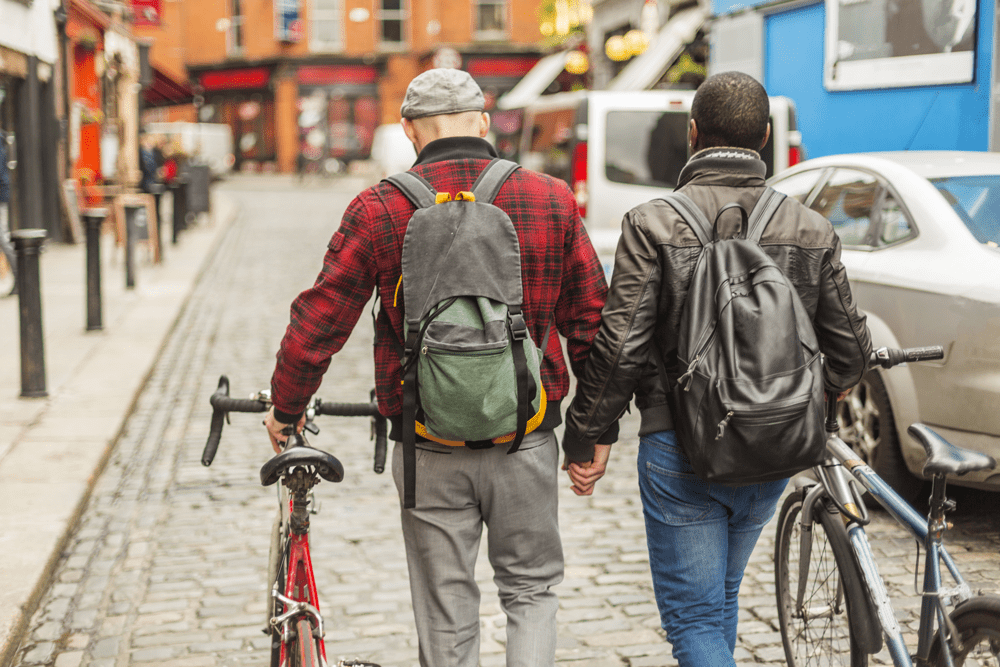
pixel 653 267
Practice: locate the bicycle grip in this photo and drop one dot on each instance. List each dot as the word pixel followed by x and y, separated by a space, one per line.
pixel 887 357
pixel 924 353
pixel 347 409
pixel 380 443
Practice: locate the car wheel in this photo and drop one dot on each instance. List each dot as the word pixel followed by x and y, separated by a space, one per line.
pixel 867 425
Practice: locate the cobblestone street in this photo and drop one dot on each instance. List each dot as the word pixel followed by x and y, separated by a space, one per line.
pixel 167 565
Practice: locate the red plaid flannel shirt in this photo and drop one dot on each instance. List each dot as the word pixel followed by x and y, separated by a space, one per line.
pixel 563 281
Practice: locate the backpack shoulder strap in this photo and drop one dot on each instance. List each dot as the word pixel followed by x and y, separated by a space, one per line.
pixel 692 215
pixel 416 189
pixel 763 212
pixel 492 178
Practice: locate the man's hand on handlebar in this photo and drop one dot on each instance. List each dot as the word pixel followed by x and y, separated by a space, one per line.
pixel 275 428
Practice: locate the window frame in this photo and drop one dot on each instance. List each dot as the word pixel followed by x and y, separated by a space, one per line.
pixel 336 11
pixel 491 35
pixel 234 46
pixel 403 16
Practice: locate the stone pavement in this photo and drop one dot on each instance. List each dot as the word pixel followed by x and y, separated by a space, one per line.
pixel 52 448
pixel 166 563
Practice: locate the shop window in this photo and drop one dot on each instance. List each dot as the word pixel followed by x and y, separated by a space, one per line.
pixel 325 19
pixel 234 37
pixel 392 22
pixel 490 18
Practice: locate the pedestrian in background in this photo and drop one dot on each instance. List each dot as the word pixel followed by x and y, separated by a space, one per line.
pixel 700 535
pixel 462 487
pixel 5 243
pixel 151 181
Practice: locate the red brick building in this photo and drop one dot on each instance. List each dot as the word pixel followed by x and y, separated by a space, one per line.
pixel 313 79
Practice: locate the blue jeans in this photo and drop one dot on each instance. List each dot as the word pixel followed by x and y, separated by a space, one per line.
pixel 700 537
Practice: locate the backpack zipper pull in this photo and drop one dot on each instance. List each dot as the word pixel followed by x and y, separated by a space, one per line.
pixel 723 424
pixel 688 375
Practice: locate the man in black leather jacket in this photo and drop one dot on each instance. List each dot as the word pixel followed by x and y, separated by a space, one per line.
pixel 700 535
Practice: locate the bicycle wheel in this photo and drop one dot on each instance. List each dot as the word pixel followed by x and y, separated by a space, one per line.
pixel 978 624
pixel 820 633
pixel 277 571
pixel 305 650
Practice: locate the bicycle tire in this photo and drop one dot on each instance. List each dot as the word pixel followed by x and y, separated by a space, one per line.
pixel 305 651
pixel 978 623
pixel 277 571
pixel 827 638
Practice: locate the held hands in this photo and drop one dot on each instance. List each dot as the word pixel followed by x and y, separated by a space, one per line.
pixel 275 428
pixel 585 475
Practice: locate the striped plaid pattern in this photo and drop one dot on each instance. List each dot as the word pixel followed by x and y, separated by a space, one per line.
pixel 562 281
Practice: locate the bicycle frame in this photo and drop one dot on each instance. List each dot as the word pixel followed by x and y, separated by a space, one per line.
pixel 300 595
pixel 934 597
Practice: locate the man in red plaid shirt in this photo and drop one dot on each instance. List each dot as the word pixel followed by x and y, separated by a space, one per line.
pixel 460 488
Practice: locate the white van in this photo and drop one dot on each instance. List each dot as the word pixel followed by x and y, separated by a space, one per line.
pixel 618 149
pixel 209 142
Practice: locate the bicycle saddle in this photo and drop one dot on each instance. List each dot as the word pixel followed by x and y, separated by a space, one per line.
pixel 944 458
pixel 326 465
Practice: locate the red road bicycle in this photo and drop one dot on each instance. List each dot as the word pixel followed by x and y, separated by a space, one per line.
pixel 294 621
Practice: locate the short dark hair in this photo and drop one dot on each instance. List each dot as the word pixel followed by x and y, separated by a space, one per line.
pixel 731 109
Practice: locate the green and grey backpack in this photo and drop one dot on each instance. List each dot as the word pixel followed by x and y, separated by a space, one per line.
pixel 471 372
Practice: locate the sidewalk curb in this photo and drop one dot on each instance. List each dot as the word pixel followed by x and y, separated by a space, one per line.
pixel 11 643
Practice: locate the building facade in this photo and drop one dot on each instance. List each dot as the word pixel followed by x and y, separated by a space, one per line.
pixel 871 75
pixel 302 82
pixel 29 84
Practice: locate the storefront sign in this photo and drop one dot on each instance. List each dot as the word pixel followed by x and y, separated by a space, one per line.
pixel 236 79
pixel 146 12
pixel 326 75
pixel 287 21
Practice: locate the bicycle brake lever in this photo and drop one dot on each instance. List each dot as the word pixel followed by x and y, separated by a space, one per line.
pixel 312 428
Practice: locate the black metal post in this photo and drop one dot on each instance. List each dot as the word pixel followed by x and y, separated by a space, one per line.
pixel 28 245
pixel 179 189
pixel 94 218
pixel 130 247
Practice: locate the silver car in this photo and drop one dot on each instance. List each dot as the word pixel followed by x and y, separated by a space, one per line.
pixel 920 232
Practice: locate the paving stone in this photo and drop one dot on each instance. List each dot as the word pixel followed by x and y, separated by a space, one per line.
pixel 105 648
pixel 69 659
pixel 158 654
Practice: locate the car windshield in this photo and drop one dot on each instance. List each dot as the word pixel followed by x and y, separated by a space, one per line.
pixel 976 200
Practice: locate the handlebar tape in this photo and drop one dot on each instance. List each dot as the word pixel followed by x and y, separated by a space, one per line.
pixel 380 444
pixel 348 409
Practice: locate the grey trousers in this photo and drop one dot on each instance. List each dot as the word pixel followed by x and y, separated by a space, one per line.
pixel 458 491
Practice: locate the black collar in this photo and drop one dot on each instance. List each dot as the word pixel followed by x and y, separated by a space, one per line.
pixel 738 161
pixel 456 148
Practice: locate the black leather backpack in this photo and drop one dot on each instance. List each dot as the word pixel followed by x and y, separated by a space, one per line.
pixel 748 405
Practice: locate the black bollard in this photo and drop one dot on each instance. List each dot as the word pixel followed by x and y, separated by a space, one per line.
pixel 28 245
pixel 179 188
pixel 130 213
pixel 94 218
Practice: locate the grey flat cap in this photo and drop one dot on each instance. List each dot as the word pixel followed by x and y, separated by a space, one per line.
pixel 441 91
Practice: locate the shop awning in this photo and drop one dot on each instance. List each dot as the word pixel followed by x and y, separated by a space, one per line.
pixel 648 68
pixel 534 82
pixel 166 90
